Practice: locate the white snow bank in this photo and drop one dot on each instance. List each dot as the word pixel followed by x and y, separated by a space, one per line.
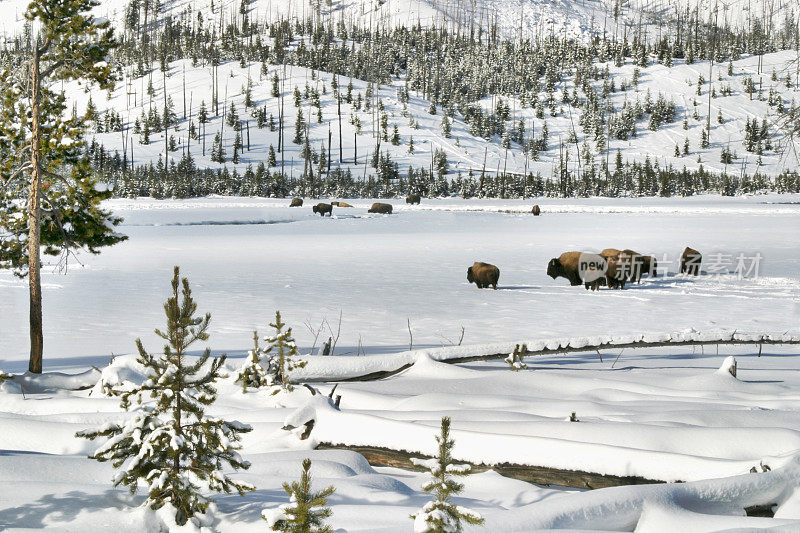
pixel 619 459
pixel 659 518
pixel 334 368
pixel 47 381
pixel 685 507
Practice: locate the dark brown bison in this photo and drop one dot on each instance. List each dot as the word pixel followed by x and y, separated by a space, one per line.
pixel 340 204
pixel 566 266
pixel 640 265
pixel 323 208
pixel 536 211
pixel 377 207
pixel 296 202
pixel 413 199
pixel 483 275
pixel 690 262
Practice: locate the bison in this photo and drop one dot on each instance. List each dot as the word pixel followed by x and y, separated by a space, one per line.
pixel 566 266
pixel 340 204
pixel 296 202
pixel 640 265
pixel 536 211
pixel 413 199
pixel 377 207
pixel 323 208
pixel 483 275
pixel 690 262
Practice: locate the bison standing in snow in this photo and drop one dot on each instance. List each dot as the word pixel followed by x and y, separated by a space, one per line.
pixel 296 202
pixel 690 261
pixel 536 211
pixel 483 275
pixel 378 207
pixel 566 266
pixel 322 209
pixel 413 199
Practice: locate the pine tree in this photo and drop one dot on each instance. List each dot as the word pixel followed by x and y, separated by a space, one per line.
pixel 271 159
pixel 283 353
pixel 217 149
pixel 169 444
pixel 252 372
pixel 237 147
pixel 307 510
pixel 202 115
pixel 50 197
pixel 232 119
pixel 299 128
pixel 446 127
pixel 441 515
pixel 276 92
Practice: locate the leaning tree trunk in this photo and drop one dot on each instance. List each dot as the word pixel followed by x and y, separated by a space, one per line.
pixel 34 226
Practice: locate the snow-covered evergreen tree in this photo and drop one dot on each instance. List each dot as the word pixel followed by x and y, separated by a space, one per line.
pixel 169 443
pixel 282 353
pixel 441 515
pixel 256 372
pixel 307 510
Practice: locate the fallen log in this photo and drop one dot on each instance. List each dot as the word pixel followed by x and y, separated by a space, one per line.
pixel 760 341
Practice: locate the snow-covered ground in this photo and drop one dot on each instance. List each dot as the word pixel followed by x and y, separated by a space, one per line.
pixel 248 257
pixel 661 413
pixel 664 413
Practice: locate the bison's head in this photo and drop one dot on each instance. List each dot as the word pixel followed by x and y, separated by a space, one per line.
pixel 554 268
pixel 316 209
pixel 470 275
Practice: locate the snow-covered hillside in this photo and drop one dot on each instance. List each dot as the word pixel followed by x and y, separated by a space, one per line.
pixel 190 87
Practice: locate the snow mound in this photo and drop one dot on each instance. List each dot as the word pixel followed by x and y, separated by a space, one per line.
pixel 666 518
pixel 123 374
pixel 426 367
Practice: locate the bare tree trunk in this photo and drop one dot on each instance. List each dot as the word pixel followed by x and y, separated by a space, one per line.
pixel 34 226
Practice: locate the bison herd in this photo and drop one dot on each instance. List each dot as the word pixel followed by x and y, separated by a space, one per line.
pixel 327 209
pixel 612 268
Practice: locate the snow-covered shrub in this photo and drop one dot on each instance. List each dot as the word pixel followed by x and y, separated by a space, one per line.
pixel 306 511
pixel 514 359
pixel 440 515
pixel 169 444
pixel 257 370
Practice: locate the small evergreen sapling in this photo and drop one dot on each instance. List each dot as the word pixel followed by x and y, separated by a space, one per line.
pixel 440 515
pixel 253 373
pixel 271 366
pixel 514 359
pixel 169 443
pixel 306 512
pixel 283 353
